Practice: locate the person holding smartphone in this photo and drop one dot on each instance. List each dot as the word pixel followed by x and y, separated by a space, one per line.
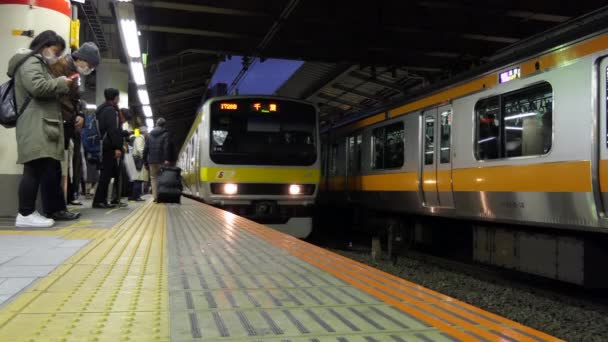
pixel 81 62
pixel 39 131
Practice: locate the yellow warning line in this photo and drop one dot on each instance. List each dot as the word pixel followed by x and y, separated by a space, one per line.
pixel 114 289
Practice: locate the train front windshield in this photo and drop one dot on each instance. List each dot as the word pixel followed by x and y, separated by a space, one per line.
pixel 263 132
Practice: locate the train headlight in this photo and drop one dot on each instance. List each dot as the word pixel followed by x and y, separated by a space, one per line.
pixel 230 189
pixel 295 189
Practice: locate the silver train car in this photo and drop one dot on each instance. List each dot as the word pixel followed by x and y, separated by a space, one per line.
pixel 256 156
pixel 521 151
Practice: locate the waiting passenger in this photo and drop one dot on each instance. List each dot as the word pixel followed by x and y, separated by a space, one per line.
pixel 158 151
pixel 109 128
pixel 139 145
pixel 80 62
pixel 39 130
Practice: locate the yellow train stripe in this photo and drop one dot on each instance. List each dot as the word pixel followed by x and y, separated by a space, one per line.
pixel 407 181
pixel 259 175
pixel 337 183
pixel 444 180
pixel 368 121
pixel 548 177
pixel 603 175
pixel 455 92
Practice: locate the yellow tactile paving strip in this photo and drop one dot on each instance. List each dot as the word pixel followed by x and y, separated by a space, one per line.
pixel 114 289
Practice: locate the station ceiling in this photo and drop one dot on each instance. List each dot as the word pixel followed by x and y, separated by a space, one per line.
pixel 358 55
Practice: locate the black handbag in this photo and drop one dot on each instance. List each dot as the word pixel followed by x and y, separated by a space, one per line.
pixel 139 162
pixel 8 104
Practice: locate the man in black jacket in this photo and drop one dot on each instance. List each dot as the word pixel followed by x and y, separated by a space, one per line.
pixel 112 145
pixel 158 151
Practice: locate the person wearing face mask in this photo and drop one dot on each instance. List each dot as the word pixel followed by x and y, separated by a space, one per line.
pixel 39 129
pixel 77 65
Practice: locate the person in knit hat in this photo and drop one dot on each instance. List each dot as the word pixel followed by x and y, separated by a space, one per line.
pixel 86 58
pixel 79 63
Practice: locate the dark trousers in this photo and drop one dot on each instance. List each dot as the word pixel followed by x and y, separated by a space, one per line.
pixel 53 199
pixel 43 174
pixel 109 170
pixel 137 189
pixel 74 182
pixel 121 184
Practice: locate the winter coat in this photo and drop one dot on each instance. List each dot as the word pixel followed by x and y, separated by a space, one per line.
pixel 139 144
pixel 39 129
pixel 159 147
pixel 69 102
pixel 109 127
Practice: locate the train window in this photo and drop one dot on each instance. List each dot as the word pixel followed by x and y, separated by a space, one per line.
pixel 323 159
pixel 388 145
pixel 445 135
pixel 333 160
pixel 516 124
pixel 488 128
pixel 354 153
pixel 429 139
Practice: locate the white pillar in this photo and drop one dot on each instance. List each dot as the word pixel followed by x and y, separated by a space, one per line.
pixel 18 15
pixel 112 74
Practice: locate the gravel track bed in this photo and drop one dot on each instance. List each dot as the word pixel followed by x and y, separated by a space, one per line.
pixel 568 319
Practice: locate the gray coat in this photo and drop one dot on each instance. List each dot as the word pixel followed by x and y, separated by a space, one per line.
pixel 40 127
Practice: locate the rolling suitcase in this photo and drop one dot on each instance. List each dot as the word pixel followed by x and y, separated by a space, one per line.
pixel 170 185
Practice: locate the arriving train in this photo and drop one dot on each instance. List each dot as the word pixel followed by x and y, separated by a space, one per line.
pixel 519 150
pixel 256 156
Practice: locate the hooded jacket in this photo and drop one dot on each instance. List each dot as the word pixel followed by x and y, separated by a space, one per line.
pixel 69 102
pixel 159 147
pixel 39 130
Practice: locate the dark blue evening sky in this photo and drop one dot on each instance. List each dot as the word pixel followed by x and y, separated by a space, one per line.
pixel 262 78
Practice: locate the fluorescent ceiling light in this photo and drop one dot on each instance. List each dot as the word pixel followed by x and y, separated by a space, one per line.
pixel 517 116
pixel 150 123
pixel 486 140
pixel 129 30
pixel 138 73
pixel 143 97
pixel 147 111
pixel 91 106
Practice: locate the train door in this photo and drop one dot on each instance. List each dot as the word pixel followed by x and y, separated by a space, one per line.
pixel 603 138
pixel 444 157
pixel 436 158
pixel 428 176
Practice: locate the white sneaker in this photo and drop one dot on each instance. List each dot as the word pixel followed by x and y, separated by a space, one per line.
pixel 37 214
pixel 33 220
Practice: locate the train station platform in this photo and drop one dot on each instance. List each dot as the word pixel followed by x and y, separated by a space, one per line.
pixel 190 272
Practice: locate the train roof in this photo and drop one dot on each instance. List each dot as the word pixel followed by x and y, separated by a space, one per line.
pixel 567 35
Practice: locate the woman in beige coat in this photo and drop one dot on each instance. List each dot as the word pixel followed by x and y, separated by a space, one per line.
pixel 139 143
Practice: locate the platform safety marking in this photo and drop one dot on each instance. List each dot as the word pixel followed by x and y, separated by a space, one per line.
pixel 226 284
pixel 432 315
pixel 113 289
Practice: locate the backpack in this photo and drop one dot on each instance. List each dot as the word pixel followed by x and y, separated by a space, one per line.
pixel 91 139
pixel 8 105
